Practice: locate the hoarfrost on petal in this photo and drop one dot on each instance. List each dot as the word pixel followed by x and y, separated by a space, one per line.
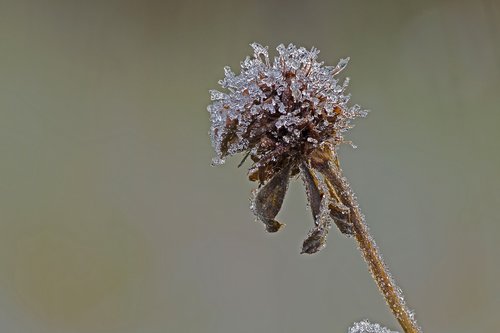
pixel 281 51
pixel 313 54
pixel 269 107
pixel 217 161
pixel 254 110
pixel 295 88
pixel 247 63
pixel 341 65
pixel 260 50
pixel 228 72
pixel 216 95
pixel 287 120
pixel 281 108
pixel 345 83
pixel 344 99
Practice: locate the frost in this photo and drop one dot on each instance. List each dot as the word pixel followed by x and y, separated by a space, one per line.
pixel 367 327
pixel 295 88
pixel 341 65
pixel 292 83
pixel 260 50
pixel 281 108
pixel 287 121
pixel 216 95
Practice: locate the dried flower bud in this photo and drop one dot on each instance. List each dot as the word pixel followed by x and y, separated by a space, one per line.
pixel 281 112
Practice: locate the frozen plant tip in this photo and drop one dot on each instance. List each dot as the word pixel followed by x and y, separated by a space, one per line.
pixel 367 327
pixel 289 115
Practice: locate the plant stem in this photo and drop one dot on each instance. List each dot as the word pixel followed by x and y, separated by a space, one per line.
pixel 380 273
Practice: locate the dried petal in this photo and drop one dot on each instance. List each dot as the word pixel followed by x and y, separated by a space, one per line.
pixel 340 215
pixel 315 241
pixel 312 191
pixel 269 199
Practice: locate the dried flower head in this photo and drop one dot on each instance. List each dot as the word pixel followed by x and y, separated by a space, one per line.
pixel 289 116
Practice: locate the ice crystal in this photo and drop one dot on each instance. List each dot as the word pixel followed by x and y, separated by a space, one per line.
pixel 367 327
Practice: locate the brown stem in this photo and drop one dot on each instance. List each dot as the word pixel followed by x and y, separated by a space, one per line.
pixel 380 273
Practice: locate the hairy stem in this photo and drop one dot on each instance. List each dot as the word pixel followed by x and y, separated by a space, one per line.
pixel 380 273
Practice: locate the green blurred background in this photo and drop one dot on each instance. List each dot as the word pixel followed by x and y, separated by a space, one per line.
pixel 112 219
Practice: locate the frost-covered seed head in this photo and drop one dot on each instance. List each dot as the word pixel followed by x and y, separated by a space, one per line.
pixel 280 108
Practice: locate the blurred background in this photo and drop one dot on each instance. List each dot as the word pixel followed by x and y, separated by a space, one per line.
pixel 112 219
